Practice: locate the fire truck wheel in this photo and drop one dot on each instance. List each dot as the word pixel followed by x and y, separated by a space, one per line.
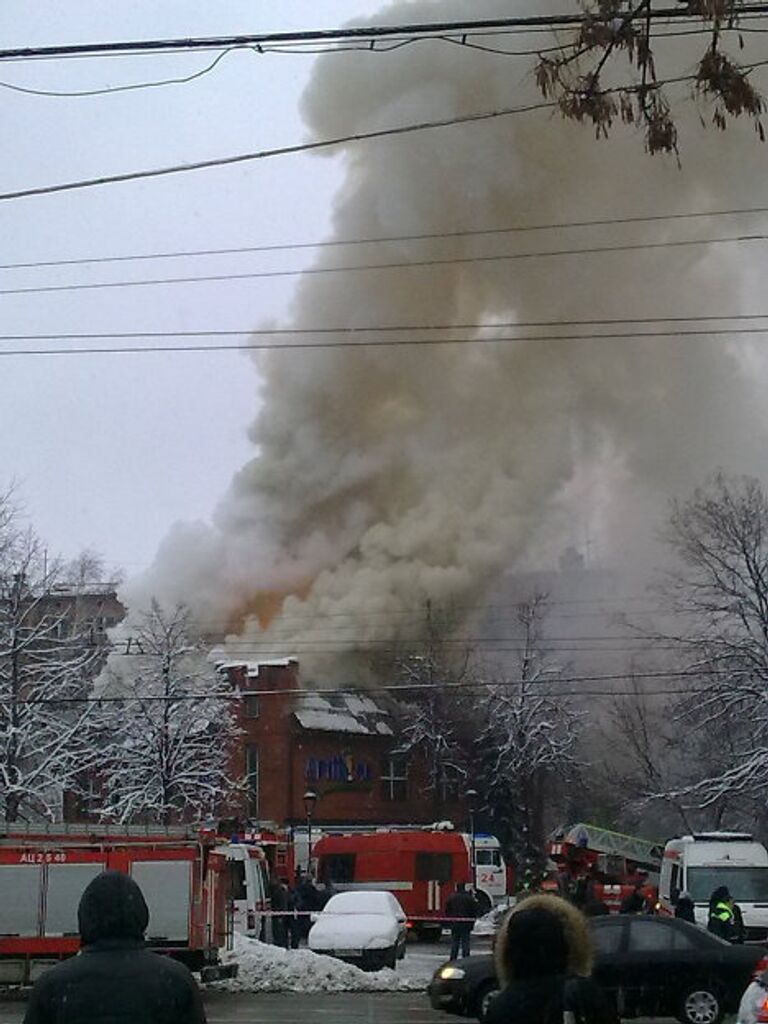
pixel 483 998
pixel 701 1004
pixel 428 932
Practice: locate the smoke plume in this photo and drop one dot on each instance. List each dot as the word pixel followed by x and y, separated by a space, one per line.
pixel 383 477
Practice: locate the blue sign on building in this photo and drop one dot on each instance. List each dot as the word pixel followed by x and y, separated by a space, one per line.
pixel 341 768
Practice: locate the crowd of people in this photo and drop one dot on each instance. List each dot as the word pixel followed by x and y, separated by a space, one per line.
pixel 292 906
pixel 543 956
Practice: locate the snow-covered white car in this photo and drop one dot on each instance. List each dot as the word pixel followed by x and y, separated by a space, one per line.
pixel 364 928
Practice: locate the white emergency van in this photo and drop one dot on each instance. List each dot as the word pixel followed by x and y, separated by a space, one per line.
pixel 249 890
pixel 699 863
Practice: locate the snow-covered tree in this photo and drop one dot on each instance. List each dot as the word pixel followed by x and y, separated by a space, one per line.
pixel 436 726
pixel 527 741
pixel 720 594
pixel 46 663
pixel 168 722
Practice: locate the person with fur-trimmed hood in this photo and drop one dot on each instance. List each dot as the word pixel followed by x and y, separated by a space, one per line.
pixel 543 961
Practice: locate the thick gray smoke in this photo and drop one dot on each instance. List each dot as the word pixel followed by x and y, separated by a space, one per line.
pixel 386 476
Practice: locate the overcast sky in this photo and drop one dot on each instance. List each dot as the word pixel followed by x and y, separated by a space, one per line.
pixel 108 451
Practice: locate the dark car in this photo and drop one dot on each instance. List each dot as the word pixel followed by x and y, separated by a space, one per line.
pixel 651 967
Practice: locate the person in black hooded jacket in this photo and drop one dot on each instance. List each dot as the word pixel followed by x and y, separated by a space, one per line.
pixel 543 960
pixel 115 979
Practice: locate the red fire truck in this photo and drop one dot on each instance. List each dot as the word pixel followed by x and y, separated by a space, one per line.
pixel 611 862
pixel 421 867
pixel 183 873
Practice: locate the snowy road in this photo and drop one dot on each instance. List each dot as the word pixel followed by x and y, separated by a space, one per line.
pixel 296 1008
pixel 324 1007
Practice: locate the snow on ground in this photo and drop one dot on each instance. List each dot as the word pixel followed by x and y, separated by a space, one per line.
pixel 489 923
pixel 265 968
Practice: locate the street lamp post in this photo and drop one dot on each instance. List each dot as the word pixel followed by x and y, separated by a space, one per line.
pixel 471 797
pixel 310 799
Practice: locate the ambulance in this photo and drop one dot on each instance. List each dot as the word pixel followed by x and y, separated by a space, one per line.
pixel 699 863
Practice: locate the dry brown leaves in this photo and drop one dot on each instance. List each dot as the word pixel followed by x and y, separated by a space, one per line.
pixel 623 27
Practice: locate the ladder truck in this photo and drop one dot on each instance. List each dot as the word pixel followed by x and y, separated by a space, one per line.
pixel 613 863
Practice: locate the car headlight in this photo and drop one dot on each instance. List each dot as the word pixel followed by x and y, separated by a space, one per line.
pixel 449 971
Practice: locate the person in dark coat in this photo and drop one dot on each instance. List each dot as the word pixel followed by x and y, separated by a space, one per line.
pixel 685 908
pixel 595 907
pixel 306 903
pixel 461 904
pixel 115 978
pixel 294 922
pixel 278 894
pixel 543 961
pixel 634 902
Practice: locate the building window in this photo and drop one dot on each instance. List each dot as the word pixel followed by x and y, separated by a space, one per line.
pixel 251 705
pixel 451 785
pixel 252 779
pixel 394 779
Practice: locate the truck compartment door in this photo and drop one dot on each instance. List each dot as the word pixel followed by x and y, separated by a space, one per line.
pixel 20 894
pixel 66 884
pixel 167 887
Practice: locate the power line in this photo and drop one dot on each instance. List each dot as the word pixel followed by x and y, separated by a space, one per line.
pixel 390 328
pixel 28 91
pixel 362 33
pixel 322 144
pixel 383 239
pixel 304 147
pixel 398 265
pixel 373 46
pixel 251 651
pixel 450 641
pixel 440 613
pixel 379 343
pixel 468 689
pixel 370 47
pixel 414 689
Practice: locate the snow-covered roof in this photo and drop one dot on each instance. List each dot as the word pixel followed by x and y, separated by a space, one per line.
pixel 252 667
pixel 337 711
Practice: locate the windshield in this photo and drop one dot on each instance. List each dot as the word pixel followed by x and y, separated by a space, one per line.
pixel 748 885
pixel 360 903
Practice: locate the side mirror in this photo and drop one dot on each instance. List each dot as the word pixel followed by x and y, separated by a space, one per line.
pixel 314 918
pixel 400 918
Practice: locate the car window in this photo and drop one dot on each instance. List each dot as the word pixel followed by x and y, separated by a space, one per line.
pixel 674 883
pixel 436 867
pixel 646 936
pixel 683 939
pixel 607 939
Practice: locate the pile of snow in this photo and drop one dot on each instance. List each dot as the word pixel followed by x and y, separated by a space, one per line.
pixel 265 968
pixel 489 923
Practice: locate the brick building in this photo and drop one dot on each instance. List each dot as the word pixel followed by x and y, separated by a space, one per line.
pixel 340 745
pixel 86 610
